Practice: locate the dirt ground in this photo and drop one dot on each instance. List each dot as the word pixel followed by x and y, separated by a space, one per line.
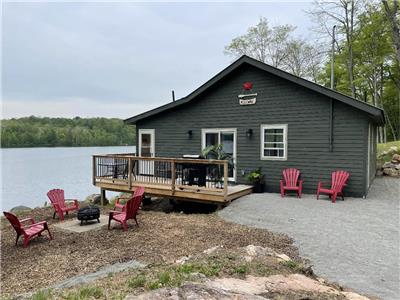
pixel 161 238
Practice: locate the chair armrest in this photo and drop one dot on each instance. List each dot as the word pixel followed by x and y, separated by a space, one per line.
pixel 28 219
pixel 38 223
pixel 118 205
pixel 115 212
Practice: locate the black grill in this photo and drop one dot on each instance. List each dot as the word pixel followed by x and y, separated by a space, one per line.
pixel 88 214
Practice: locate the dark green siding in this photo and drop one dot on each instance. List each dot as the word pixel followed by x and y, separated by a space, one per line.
pixel 307 114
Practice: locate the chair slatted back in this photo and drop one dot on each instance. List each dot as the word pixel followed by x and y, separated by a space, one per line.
pixel 14 222
pixel 291 176
pixel 133 204
pixel 56 196
pixel 339 179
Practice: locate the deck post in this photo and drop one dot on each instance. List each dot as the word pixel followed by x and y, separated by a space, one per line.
pixel 130 173
pixel 94 167
pixel 173 177
pixel 225 179
pixel 103 196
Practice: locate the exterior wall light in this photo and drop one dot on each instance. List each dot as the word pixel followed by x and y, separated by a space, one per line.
pixel 189 134
pixel 249 132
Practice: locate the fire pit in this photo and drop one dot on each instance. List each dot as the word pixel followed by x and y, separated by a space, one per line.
pixel 88 214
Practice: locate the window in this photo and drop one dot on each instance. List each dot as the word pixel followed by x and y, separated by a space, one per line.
pixel 274 142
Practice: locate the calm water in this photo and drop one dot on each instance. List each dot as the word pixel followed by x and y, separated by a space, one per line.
pixel 29 173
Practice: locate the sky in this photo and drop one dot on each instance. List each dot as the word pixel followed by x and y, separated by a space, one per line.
pixel 120 59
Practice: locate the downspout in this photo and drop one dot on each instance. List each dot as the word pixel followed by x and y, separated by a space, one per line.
pixel 332 88
pixel 331 125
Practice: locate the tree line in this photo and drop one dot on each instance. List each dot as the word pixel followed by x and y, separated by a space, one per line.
pixel 366 52
pixel 63 132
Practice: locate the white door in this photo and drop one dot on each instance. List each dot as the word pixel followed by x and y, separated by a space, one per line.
pixel 146 149
pixel 226 137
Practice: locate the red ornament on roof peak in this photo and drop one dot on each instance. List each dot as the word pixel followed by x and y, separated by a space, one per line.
pixel 247 86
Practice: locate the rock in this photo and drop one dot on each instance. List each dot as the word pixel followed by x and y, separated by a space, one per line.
pixel 388 164
pixel 283 257
pixel 194 291
pixel 182 260
pixel 250 288
pixel 396 158
pixel 296 282
pixel 393 149
pixel 212 250
pixel 251 285
pixel 95 199
pixel 259 251
pixel 391 172
pixel 354 296
pixel 253 251
pixel 20 208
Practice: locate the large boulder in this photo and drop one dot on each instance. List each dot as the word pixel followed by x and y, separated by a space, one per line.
pixel 95 199
pixel 396 158
pixel 391 172
pixel 19 208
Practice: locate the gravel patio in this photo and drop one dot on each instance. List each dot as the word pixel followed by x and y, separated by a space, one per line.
pixel 353 242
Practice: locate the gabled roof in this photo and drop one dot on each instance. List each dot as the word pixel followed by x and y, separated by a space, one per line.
pixel 375 113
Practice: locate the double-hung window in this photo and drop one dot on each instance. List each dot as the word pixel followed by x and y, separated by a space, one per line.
pixel 274 142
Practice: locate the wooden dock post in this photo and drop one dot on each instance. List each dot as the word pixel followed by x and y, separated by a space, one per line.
pixel 225 179
pixel 130 173
pixel 94 168
pixel 173 177
pixel 103 196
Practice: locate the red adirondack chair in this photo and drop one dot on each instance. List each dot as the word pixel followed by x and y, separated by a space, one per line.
pixel 59 203
pixel 291 182
pixel 338 182
pixel 28 231
pixel 139 191
pixel 128 212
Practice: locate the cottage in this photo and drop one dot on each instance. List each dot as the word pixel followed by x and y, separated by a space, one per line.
pixel 267 118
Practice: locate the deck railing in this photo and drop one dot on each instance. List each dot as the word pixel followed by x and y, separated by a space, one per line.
pixel 176 173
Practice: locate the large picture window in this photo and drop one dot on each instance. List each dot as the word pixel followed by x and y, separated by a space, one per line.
pixel 274 142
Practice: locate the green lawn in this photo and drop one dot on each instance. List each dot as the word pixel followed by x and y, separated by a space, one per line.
pixel 385 147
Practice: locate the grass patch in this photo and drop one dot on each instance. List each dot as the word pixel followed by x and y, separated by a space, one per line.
pixel 243 269
pixel 42 295
pixel 87 292
pixel 386 146
pixel 137 281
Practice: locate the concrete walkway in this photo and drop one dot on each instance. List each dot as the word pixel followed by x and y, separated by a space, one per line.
pixel 353 242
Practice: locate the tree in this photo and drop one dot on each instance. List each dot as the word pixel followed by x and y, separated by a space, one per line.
pixel 302 59
pixel 375 67
pixel 342 13
pixel 263 43
pixel 393 16
pixel 276 46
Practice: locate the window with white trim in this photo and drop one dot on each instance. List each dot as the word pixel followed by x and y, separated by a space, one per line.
pixel 274 142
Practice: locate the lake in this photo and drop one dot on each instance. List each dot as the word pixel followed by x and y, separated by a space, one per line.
pixel 27 174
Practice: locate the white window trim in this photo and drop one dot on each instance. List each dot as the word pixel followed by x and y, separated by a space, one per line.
pixel 262 136
pixel 153 137
pixel 218 130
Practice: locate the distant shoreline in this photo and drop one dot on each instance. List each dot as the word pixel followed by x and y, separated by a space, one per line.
pixel 31 147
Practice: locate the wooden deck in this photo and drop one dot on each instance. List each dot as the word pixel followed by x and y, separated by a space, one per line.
pixel 165 177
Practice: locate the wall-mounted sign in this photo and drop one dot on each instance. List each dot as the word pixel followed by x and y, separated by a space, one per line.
pixel 247 99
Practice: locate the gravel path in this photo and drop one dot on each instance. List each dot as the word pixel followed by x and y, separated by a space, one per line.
pixel 355 242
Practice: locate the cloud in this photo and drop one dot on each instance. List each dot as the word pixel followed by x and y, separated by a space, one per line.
pixel 134 52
